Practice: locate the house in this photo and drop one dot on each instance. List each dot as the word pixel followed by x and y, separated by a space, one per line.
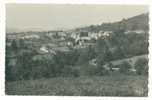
pixel 135 31
pixel 65 43
pixel 99 34
pixel 49 34
pixel 74 35
pixel 43 49
pixel 32 36
pixel 52 51
pixel 93 35
pixel 41 57
pixel 11 36
pixel 61 49
pixel 93 62
pixel 51 45
pixel 62 34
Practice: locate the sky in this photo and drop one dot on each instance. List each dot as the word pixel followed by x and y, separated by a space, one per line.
pixel 52 16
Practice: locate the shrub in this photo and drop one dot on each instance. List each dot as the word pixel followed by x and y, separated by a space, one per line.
pixel 110 65
pixel 86 54
pixel 102 71
pixel 141 66
pixel 69 71
pixel 125 67
pixel 89 70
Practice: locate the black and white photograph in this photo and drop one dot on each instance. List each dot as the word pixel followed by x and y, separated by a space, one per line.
pixel 98 50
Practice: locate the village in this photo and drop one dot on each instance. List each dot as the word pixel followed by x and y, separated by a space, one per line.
pixel 50 42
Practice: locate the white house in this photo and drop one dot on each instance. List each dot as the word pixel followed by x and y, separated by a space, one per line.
pixel 62 34
pixel 30 36
pixel 43 49
pixel 135 31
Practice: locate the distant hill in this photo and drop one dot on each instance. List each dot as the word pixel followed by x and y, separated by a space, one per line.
pixel 11 30
pixel 139 22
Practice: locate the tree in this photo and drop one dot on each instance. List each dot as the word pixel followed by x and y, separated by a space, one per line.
pixel 120 37
pixel 108 56
pixel 22 44
pixel 122 26
pixel 100 65
pixel 24 65
pixel 100 47
pixel 141 66
pixel 101 50
pixel 110 65
pixel 8 70
pixel 86 54
pixel 14 46
pixel 125 67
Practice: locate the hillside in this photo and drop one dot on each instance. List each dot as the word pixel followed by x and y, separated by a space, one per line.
pixel 139 22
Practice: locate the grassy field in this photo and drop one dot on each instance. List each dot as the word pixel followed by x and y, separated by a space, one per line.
pixel 118 85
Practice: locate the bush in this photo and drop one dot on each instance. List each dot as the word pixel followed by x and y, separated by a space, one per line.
pixel 125 67
pixel 141 66
pixel 110 65
pixel 69 71
pixel 89 70
pixel 86 54
pixel 101 70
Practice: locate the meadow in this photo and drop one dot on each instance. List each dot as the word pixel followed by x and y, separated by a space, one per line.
pixel 113 85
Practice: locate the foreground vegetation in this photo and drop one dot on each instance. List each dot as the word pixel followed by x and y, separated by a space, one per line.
pixel 114 85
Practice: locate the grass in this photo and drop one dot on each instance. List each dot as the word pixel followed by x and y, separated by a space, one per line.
pixel 118 85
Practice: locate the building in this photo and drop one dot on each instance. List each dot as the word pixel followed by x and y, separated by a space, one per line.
pixel 135 31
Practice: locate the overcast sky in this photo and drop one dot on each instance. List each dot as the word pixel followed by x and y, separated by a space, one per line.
pixel 47 16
